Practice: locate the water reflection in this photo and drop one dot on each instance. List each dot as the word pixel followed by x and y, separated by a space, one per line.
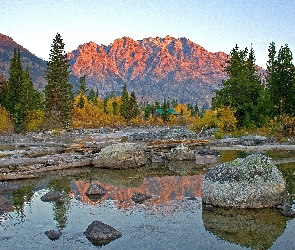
pixel 162 189
pixel 257 229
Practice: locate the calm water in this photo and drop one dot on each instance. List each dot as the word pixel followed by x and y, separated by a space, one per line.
pixel 172 219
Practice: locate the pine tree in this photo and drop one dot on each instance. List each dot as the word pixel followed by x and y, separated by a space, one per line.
pixel 165 115
pixel 124 107
pixel 31 99
pixel 3 90
pixel 243 88
pixel 82 91
pixel 14 91
pixel 133 108
pixel 281 80
pixel 58 92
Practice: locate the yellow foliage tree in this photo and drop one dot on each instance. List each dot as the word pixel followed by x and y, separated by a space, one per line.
pixel 6 126
pixel 93 116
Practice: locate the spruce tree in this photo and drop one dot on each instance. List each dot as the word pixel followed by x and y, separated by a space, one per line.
pixel 82 91
pixel 281 80
pixel 243 88
pixel 3 90
pixel 124 107
pixel 14 91
pixel 58 91
pixel 31 99
pixel 165 115
pixel 133 108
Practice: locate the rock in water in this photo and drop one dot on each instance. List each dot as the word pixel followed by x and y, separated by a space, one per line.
pixel 101 234
pixel 53 234
pixel 95 192
pixel 121 155
pixel 51 196
pixel 252 182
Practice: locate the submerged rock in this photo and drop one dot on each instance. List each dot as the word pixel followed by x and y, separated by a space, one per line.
pixel 53 234
pixel 120 155
pixel 100 233
pixel 51 196
pixel 252 182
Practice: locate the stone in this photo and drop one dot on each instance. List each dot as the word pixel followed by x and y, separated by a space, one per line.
pixel 252 182
pixel 95 192
pixel 120 156
pixel 181 153
pixel 100 233
pixel 140 198
pixel 53 234
pixel 51 196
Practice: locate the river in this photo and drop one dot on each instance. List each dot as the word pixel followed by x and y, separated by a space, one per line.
pixel 172 219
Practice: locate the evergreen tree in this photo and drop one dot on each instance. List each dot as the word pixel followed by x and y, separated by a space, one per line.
pixel 147 111
pixel 3 90
pixel 133 108
pixel 243 88
pixel 124 107
pixel 31 99
pixel 58 92
pixel 196 109
pixel 174 103
pixel 14 91
pixel 165 115
pixel 82 91
pixel 281 80
pixel 92 97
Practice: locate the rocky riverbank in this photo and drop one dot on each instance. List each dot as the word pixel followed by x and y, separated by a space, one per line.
pixel 29 155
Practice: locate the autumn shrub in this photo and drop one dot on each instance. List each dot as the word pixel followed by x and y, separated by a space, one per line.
pixel 35 120
pixel 6 125
pixel 222 118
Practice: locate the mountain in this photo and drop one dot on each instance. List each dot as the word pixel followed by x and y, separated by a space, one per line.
pixel 155 68
pixel 37 66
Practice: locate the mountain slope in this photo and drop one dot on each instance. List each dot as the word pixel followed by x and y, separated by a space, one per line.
pixel 37 66
pixel 155 68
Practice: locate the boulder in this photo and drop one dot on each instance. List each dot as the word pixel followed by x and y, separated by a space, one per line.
pixel 181 153
pixel 120 156
pixel 51 196
pixel 252 182
pixel 100 233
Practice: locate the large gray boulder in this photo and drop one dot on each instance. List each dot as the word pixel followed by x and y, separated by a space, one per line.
pixel 121 155
pixel 252 182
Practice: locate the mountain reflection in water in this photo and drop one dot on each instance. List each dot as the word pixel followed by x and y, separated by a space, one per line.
pixel 162 189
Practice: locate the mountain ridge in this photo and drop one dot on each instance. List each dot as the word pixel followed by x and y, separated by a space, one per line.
pixel 155 68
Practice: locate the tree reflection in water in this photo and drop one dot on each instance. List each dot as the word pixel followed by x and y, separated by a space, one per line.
pixel 257 229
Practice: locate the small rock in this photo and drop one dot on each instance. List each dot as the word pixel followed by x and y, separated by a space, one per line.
pixel 100 233
pixel 95 192
pixel 140 197
pixel 96 189
pixel 53 234
pixel 51 196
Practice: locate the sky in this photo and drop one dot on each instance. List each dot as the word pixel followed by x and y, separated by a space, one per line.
pixel 216 25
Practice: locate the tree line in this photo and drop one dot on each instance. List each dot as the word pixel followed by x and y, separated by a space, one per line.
pixel 245 99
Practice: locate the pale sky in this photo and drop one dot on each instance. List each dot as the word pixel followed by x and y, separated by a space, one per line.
pixel 215 25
